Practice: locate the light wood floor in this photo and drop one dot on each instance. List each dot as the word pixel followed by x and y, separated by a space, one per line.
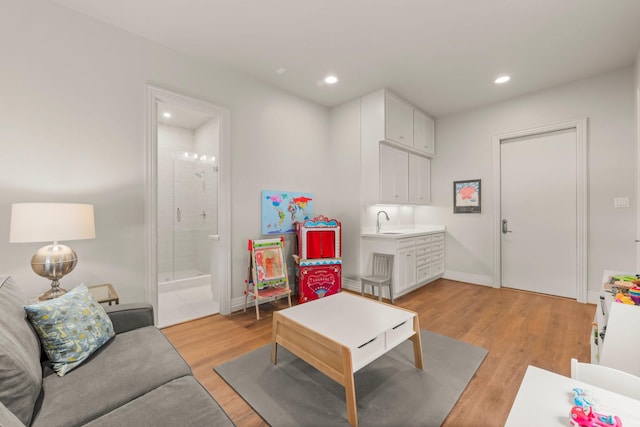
pixel 517 328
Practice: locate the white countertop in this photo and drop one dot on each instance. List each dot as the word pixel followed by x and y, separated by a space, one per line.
pixel 400 233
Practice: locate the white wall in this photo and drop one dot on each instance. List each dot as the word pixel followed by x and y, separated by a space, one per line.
pixel 344 180
pixel 73 96
pixel 464 152
pixel 637 95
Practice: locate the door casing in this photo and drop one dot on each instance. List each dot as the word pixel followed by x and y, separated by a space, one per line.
pixel 580 127
pixel 223 242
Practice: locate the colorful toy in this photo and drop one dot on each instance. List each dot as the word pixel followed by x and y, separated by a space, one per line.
pixel 634 294
pixel 318 261
pixel 585 417
pixel 624 299
pixel 583 398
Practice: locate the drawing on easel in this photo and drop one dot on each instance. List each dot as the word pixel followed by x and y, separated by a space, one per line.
pixel 269 264
pixel 267 277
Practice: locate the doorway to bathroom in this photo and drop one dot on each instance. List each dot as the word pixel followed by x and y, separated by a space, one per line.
pixel 187 208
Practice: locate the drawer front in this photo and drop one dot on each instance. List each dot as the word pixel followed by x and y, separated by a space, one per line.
pixel 422 250
pixel 437 256
pixel 437 269
pixel 423 260
pixel 423 240
pixel 424 273
pixel 437 247
pixel 368 351
pixel 398 334
pixel 406 243
pixel 437 237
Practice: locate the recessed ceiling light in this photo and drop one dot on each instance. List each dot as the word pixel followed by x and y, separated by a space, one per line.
pixel 167 114
pixel 281 70
pixel 502 79
pixel 331 80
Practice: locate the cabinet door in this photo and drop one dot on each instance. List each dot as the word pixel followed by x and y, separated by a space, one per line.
pixel 419 180
pixel 423 133
pixel 394 175
pixel 398 120
pixel 406 268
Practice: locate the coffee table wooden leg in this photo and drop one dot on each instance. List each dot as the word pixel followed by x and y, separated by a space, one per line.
pixel 417 344
pixel 349 388
pixel 274 339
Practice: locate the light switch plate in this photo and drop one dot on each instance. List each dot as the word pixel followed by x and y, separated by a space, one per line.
pixel 621 202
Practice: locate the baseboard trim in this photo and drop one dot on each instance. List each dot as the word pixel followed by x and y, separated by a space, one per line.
pixel 475 279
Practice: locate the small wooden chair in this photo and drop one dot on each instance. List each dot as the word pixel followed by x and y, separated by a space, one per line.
pixel 381 275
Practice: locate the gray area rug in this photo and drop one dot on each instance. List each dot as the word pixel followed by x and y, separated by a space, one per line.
pixel 390 391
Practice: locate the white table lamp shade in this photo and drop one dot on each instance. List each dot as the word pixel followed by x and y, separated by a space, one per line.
pixel 51 222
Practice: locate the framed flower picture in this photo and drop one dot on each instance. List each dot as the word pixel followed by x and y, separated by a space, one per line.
pixel 466 196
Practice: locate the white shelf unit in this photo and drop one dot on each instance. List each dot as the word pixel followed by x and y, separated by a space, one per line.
pixel 616 341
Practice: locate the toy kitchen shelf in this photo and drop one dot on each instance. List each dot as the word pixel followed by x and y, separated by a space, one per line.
pixel 615 339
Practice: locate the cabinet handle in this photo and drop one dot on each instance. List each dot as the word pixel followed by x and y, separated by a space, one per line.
pixel 368 342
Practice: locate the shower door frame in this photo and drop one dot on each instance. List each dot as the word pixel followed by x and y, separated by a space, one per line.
pixel 154 95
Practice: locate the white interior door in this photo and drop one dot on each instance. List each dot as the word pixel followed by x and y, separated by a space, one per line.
pixel 538 199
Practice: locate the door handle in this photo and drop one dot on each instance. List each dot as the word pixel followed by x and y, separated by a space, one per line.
pixel 504 227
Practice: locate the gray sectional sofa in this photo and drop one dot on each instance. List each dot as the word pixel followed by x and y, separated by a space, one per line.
pixel 135 379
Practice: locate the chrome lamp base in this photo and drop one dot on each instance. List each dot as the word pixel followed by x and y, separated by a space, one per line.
pixel 54 262
pixel 54 292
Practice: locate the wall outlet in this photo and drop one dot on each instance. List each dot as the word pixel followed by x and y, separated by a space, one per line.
pixel 621 202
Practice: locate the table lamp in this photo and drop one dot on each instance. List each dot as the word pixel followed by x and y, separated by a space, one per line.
pixel 42 222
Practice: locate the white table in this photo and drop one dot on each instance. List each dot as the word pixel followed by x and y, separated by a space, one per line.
pixel 339 334
pixel 546 398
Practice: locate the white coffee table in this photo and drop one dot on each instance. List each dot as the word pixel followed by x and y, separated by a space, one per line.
pixel 339 334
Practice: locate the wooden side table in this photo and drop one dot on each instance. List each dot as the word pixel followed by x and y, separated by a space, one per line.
pixel 104 293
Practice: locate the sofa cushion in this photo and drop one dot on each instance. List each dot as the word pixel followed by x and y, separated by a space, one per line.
pixel 131 364
pixel 8 418
pixel 182 402
pixel 71 327
pixel 20 369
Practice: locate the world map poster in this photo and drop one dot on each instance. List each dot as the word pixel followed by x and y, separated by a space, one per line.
pixel 280 209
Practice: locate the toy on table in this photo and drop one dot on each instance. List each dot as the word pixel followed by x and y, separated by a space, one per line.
pixel 583 397
pixel 586 417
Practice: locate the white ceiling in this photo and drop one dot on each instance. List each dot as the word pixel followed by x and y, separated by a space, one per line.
pixel 441 55
pixel 181 117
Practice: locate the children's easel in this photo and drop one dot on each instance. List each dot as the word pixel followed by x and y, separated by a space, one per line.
pixel 267 276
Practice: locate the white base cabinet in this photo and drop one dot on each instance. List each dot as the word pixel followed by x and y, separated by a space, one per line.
pixel 418 260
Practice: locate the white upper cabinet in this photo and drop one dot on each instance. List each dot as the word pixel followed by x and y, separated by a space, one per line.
pixel 423 133
pixel 394 175
pixel 419 180
pixel 398 120
pixel 384 178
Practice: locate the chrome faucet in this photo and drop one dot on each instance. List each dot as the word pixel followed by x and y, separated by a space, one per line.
pixel 378 220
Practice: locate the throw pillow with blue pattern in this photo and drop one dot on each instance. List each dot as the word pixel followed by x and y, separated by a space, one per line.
pixel 71 327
